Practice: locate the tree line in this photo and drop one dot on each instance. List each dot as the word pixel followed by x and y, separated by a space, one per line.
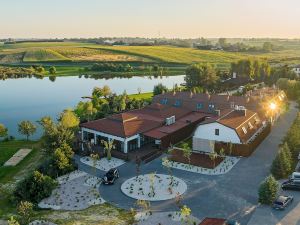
pixel 210 78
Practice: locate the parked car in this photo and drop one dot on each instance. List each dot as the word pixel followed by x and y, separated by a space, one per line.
pixel 282 202
pixel 111 176
pixel 291 185
pixel 232 222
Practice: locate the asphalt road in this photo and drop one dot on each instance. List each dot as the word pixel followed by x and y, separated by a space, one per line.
pixel 233 195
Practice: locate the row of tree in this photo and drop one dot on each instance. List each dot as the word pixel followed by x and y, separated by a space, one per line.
pixel 111 67
pixel 283 164
pixel 104 102
pixel 22 72
pixel 57 142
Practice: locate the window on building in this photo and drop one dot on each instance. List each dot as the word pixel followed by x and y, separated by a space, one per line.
pixel 164 101
pixel 244 130
pixel 250 125
pixel 211 107
pixel 217 132
pixel 199 105
pixel 177 103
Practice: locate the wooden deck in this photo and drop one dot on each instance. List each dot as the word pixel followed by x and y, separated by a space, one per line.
pixel 145 153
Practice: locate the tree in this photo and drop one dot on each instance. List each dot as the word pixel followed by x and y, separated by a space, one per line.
pixel 282 164
pixel 159 89
pixel 62 158
pixel 25 211
pixel 12 221
pixel 3 130
pixel 223 42
pixel 108 147
pixel 69 119
pixel 34 188
pixel 26 128
pixel 213 155
pixel 187 152
pixel 267 46
pixel 52 70
pixel 268 190
pixel 201 75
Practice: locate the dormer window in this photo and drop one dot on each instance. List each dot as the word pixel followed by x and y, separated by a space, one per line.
pixel 211 107
pixel 199 106
pixel 244 130
pixel 177 103
pixel 164 101
pixel 250 125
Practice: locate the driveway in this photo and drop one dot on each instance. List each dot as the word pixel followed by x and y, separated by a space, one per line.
pixel 233 195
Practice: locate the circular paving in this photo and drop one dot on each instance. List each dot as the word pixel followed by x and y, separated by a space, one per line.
pixel 153 187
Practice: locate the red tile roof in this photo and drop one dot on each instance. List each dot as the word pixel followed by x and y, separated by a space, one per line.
pixel 136 121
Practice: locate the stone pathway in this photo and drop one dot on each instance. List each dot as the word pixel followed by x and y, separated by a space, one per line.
pixel 17 157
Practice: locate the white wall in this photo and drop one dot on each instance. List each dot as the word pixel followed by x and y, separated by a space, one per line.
pixel 226 134
pixel 296 70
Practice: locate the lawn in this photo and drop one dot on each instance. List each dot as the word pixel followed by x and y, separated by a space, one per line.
pixel 9 175
pixel 145 96
pixel 8 148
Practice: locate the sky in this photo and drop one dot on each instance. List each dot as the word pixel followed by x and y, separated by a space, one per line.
pixel 149 18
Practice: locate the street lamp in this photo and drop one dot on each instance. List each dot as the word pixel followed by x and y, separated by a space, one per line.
pixel 273 107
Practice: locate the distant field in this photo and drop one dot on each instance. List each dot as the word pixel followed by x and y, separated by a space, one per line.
pixel 90 54
pixel 70 58
pixel 43 55
pixel 177 55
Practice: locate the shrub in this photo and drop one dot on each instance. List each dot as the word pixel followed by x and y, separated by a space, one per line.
pixel 34 188
pixel 268 190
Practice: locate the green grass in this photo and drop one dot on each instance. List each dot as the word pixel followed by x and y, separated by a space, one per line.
pixel 7 149
pixel 9 175
pixel 43 55
pixel 145 96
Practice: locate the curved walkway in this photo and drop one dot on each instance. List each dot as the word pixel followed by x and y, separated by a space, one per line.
pixel 233 195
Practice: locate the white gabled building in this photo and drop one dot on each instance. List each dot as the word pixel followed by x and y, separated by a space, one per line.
pixel 296 69
pixel 238 126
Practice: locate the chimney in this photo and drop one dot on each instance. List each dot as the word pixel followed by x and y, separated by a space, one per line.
pixel 228 97
pixel 174 93
pixel 248 99
pixel 218 112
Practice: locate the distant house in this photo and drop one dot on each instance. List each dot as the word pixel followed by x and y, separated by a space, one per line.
pixel 296 69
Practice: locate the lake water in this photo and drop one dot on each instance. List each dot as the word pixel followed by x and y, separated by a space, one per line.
pixel 31 98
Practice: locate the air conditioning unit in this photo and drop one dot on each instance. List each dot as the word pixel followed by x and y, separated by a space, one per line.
pixel 170 120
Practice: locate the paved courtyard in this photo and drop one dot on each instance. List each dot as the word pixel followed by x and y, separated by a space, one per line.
pixel 232 195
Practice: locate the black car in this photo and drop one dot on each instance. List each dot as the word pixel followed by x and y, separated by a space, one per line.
pixel 111 176
pixel 232 222
pixel 291 185
pixel 282 202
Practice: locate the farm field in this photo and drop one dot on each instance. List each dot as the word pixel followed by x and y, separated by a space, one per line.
pixel 43 55
pixel 70 58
